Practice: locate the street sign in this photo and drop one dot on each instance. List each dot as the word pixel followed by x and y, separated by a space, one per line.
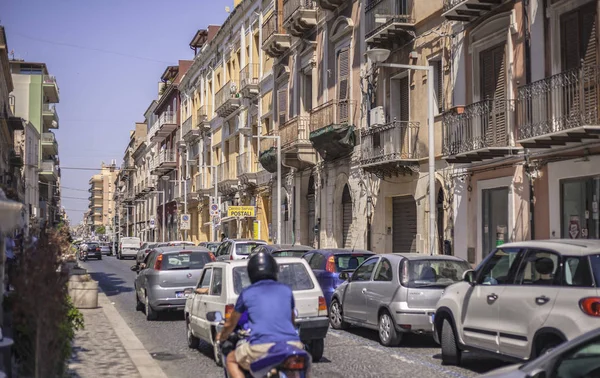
pixel 185 222
pixel 214 210
pixel 216 220
pixel 240 211
pixel 152 223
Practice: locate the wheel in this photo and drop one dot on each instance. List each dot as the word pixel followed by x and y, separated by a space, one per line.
pixel 388 336
pixel 316 349
pixel 450 352
pixel 545 345
pixel 100 258
pixel 139 306
pixel 150 313
pixel 217 352
pixel 336 316
pixel 192 341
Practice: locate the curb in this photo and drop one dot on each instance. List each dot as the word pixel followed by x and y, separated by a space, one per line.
pixel 145 364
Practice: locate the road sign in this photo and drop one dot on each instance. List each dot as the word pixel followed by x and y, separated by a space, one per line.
pixel 214 210
pixel 185 222
pixel 152 223
pixel 240 211
pixel 216 220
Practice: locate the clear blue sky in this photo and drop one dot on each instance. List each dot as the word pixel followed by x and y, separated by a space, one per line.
pixel 103 94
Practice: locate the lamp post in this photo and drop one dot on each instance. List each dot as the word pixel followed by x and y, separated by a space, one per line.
pixel 378 56
pixel 215 175
pixel 163 212
pixel 278 138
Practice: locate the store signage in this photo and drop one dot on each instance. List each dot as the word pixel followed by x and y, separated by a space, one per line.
pixel 240 211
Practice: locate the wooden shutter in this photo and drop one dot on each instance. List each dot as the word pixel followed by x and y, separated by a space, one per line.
pixel 404 224
pixel 282 105
pixel 343 65
pixel 404 99
pixel 438 83
pixel 492 122
pixel 346 217
pixel 569 39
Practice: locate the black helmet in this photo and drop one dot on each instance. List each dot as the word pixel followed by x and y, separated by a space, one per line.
pixel 262 266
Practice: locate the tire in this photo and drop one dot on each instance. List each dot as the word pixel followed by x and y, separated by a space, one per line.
pixel 100 258
pixel 388 336
pixel 192 341
pixel 151 314
pixel 336 315
pixel 139 306
pixel 316 349
pixel 451 354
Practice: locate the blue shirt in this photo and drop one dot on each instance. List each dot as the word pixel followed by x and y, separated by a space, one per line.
pixel 270 305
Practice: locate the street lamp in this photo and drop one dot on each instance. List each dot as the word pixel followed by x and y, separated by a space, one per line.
pixel 215 173
pixel 163 212
pixel 378 56
pixel 278 138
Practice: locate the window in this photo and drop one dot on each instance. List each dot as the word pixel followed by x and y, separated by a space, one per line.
pixel 308 256
pixel 244 249
pixel 317 261
pixel 205 280
pixel 349 262
pixel 438 83
pixel 384 271
pixel 433 273
pixel 363 273
pixel 343 85
pixel 577 272
pixel 294 275
pixel 185 260
pixel 583 361
pixel 579 208
pixel 539 268
pixel 282 97
pixel 578 37
pixel 217 282
pixel 495 218
pixel 498 267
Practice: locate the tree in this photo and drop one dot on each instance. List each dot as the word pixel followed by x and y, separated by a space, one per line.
pixel 101 230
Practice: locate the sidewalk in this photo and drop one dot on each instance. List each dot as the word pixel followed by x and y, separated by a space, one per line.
pixel 107 347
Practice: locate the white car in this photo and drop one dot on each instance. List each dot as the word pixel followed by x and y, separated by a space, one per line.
pixel 129 247
pixel 226 279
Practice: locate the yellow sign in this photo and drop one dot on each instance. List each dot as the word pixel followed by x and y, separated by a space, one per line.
pixel 240 211
pixel 256 229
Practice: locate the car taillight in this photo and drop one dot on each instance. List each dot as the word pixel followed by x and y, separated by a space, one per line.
pixel 212 257
pixel 158 263
pixel 147 251
pixel 322 306
pixel 228 311
pixel 231 257
pixel 590 306
pixel 294 363
pixel 330 266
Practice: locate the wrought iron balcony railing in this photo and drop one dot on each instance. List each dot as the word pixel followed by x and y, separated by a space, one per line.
pixel 270 26
pixel 394 141
pixel 246 163
pixel 294 131
pixel 229 91
pixel 380 14
pixel 267 143
pixel 249 75
pixel 291 6
pixel 204 113
pixel 334 112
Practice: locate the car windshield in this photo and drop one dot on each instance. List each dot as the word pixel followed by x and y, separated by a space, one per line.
pixel 288 253
pixel 433 273
pixel 294 275
pixel 185 260
pixel 244 249
pixel 92 245
pixel 349 261
pixel 212 247
pixel 595 262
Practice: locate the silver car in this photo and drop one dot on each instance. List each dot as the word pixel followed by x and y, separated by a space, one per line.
pixel 237 249
pixel 394 293
pixel 164 275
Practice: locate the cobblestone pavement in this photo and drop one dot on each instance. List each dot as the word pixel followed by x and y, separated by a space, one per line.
pixel 98 352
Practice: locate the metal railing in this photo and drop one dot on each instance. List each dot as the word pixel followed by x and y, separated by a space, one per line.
pixel 167 156
pixel 167 118
pixel 334 112
pixel 381 13
pixel 560 102
pixel 48 166
pixel 294 130
pixel 51 80
pixel 291 6
pixel 246 163
pixel 230 90
pixel 154 129
pixel 203 114
pixel 270 26
pixel 223 171
pixel 187 126
pixel 449 4
pixel 483 124
pixel 267 143
pixel 48 138
pixel 249 75
pixel 397 140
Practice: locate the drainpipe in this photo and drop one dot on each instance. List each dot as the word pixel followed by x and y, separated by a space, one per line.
pixel 294 214
pixel 528 170
pixel 529 173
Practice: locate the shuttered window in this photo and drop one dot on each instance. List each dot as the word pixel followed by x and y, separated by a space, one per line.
pixel 310 197
pixel 404 224
pixel 438 84
pixel 343 76
pixel 493 92
pixel 282 96
pixel 346 217
pixel 404 99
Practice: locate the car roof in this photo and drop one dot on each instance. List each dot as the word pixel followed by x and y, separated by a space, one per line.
pixel 422 256
pixel 288 247
pixel 339 251
pixel 562 246
pixel 176 248
pixel 246 240
pixel 244 262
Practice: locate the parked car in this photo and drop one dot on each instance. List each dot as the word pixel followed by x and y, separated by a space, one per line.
pixel 143 252
pixel 175 243
pixel 94 250
pixel 237 249
pixel 283 250
pixel 213 246
pixel 164 275
pixel 105 249
pixel 225 281
pixel 129 247
pixel 524 299
pixel 579 357
pixel 394 293
pixel 327 264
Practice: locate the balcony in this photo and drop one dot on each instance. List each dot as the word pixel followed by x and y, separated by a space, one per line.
pixel 227 179
pixel 332 128
pixel 203 185
pixel 164 162
pixel 49 116
pixel 276 40
pixel 330 5
pixel 49 144
pixel 227 99
pixel 388 22
pixel 296 148
pixel 163 127
pixel 249 80
pixel 51 89
pixel 469 10
pixel 480 131
pixel 247 168
pixel 299 16
pixel 268 152
pixel 189 131
pixel 203 117
pixel 49 171
pixel 149 184
pixel 391 149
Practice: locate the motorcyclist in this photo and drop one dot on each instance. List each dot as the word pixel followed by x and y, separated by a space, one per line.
pixel 270 307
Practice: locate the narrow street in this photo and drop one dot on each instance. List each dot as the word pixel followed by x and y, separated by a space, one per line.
pixel 354 353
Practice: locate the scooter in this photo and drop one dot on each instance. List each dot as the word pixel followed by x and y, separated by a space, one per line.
pixel 83 256
pixel 281 361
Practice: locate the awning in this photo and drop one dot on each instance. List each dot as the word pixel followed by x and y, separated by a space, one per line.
pixel 228 219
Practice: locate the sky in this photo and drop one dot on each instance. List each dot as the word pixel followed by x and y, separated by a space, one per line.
pixel 107 56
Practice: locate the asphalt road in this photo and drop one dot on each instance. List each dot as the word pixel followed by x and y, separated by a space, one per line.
pixel 352 353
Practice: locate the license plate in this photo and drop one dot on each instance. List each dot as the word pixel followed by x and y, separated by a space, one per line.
pixel 179 294
pixel 291 374
pixel 431 317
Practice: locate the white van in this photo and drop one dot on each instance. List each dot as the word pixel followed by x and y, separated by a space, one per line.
pixel 129 247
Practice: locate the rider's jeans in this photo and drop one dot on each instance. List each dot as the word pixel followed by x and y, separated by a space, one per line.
pixel 245 353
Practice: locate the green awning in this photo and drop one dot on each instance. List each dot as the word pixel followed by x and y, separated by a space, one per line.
pixel 268 159
pixel 334 141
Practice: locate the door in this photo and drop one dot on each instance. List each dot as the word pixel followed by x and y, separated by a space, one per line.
pixel 215 300
pixel 493 95
pixel 481 311
pixel 140 279
pixel 355 301
pixel 525 306
pixel 404 224
pixel 346 218
pixel 381 289
pixel 310 198
pixel 198 316
pixel 495 218
pixel 317 265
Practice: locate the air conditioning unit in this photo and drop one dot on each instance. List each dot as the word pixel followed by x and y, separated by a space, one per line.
pixel 377 116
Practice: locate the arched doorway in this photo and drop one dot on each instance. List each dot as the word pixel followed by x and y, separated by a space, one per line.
pixel 310 198
pixel 440 221
pixel 346 217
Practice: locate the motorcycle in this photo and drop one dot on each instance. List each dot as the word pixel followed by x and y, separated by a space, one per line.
pixel 281 361
pixel 83 256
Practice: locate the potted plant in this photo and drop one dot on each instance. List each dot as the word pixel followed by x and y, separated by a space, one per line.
pixel 83 290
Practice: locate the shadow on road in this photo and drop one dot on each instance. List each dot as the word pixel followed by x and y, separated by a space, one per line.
pixel 111 284
pixel 409 340
pixel 477 363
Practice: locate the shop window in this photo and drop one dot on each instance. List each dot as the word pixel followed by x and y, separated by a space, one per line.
pixel 495 218
pixel 580 218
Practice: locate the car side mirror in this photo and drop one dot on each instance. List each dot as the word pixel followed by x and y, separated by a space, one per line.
pixel 345 276
pixel 188 291
pixel 134 268
pixel 214 316
pixel 469 276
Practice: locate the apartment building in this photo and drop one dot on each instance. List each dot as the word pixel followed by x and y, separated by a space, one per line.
pixel 96 190
pixel 101 200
